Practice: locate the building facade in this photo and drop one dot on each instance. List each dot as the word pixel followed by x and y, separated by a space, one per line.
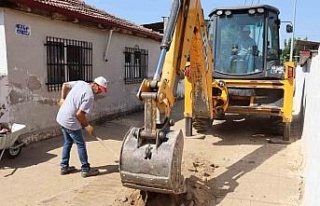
pixel 45 43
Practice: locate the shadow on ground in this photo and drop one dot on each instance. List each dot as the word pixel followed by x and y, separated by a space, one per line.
pixel 33 154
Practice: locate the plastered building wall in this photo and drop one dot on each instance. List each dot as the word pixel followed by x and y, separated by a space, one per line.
pixel 23 69
pixel 306 106
pixel 308 86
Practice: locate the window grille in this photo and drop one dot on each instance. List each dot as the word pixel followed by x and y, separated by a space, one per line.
pixel 136 65
pixel 67 60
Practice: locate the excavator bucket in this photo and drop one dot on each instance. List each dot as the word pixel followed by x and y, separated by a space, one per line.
pixel 152 168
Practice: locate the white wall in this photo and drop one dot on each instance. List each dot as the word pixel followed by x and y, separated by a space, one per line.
pixel 4 106
pixel 31 102
pixel 3 46
pixel 308 87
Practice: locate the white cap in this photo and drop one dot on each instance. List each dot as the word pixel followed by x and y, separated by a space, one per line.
pixel 102 82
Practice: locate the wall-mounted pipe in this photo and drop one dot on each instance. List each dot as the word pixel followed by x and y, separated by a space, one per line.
pixel 107 46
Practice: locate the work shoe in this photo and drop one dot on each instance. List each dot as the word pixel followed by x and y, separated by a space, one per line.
pixel 90 172
pixel 67 170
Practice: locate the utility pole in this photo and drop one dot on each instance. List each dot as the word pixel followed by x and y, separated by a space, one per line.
pixel 294 28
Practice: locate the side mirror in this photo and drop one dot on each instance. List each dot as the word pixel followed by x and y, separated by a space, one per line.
pixel 289 28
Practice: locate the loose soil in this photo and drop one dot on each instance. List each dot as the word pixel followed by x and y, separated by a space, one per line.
pixel 233 164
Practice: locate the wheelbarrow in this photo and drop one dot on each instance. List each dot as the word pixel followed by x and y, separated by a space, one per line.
pixel 10 145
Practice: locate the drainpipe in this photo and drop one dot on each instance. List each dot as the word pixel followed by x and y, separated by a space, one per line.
pixel 108 45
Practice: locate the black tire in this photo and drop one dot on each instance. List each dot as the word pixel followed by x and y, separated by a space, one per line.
pixel 13 152
pixel 276 126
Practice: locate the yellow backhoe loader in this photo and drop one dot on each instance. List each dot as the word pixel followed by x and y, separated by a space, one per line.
pixel 235 82
pixel 248 75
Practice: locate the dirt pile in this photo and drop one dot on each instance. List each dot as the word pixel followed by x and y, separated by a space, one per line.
pixel 200 189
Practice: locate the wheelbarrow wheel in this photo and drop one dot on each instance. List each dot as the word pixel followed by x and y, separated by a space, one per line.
pixel 14 151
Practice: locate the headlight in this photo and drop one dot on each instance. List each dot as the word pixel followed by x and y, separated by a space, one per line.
pixel 221 83
pixel 227 13
pixel 260 10
pixel 252 11
pixel 219 12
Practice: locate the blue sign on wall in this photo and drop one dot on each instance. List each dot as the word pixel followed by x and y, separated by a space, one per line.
pixel 23 30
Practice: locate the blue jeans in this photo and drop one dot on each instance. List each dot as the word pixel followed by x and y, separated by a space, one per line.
pixel 71 136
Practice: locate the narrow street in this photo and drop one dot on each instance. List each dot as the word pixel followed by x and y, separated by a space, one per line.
pixel 232 165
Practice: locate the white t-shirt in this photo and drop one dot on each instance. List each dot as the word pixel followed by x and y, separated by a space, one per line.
pixel 79 97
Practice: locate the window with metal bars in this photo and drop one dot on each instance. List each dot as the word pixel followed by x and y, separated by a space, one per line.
pixel 136 65
pixel 67 60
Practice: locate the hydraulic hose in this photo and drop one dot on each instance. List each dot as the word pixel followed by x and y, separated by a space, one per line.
pixel 167 37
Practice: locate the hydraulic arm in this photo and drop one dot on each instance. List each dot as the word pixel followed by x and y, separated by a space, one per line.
pixel 151 156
